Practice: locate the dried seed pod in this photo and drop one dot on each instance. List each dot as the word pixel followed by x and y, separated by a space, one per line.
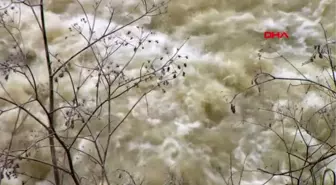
pixel 233 109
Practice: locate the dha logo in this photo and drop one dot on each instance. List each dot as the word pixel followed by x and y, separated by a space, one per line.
pixel 271 35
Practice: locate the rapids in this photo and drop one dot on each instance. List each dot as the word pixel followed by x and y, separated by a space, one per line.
pixel 190 130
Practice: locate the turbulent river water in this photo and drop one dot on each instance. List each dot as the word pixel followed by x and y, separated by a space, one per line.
pixel 190 129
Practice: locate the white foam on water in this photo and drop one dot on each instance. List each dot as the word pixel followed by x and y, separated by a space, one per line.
pixel 321 7
pixel 165 107
pixel 238 18
pixel 184 128
pixel 273 24
pixel 168 148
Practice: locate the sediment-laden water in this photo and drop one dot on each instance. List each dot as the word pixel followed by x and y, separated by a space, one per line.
pixel 189 130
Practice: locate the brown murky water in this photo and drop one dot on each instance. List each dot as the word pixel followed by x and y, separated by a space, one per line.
pixel 190 129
